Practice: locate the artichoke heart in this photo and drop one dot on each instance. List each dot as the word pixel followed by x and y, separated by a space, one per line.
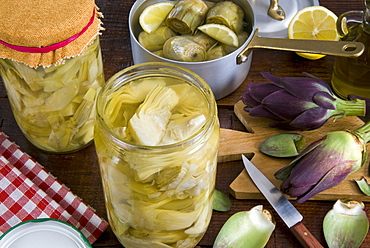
pixel 186 16
pixel 346 224
pixel 227 13
pixel 251 228
pixel 216 52
pixel 148 124
pixel 155 40
pixel 181 48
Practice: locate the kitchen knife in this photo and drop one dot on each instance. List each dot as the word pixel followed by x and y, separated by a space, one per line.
pixel 288 213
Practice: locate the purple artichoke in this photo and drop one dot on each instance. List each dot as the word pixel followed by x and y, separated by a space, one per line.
pixel 325 163
pixel 301 103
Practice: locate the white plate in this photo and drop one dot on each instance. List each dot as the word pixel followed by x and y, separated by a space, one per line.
pixel 43 233
pixel 269 27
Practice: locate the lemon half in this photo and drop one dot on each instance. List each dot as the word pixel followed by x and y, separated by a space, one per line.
pixel 313 23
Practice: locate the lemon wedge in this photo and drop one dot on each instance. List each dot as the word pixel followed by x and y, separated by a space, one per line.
pixel 220 33
pixel 313 23
pixel 154 15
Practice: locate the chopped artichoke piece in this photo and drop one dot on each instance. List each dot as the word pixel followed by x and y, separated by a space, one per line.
pixel 148 124
pixel 186 16
pixel 181 48
pixel 183 128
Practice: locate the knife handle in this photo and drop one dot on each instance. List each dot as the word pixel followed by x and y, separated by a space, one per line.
pixel 304 236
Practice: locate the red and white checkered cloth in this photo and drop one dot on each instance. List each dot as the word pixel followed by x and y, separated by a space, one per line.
pixel 29 191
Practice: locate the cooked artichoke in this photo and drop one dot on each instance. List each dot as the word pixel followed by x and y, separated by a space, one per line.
pixel 181 48
pixel 216 52
pixel 202 39
pixel 186 16
pixel 227 13
pixel 155 40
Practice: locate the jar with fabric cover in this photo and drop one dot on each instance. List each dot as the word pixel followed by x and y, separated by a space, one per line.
pixel 51 66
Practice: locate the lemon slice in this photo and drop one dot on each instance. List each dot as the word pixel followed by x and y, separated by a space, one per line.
pixel 220 33
pixel 154 15
pixel 313 23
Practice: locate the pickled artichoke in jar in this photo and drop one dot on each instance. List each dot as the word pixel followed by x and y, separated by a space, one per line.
pixel 54 106
pixel 181 48
pixel 159 173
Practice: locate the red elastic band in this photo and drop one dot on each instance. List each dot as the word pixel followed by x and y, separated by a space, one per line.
pixel 53 47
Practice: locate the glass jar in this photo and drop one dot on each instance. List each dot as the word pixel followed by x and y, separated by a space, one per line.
pixel 156 139
pixel 351 76
pixel 54 106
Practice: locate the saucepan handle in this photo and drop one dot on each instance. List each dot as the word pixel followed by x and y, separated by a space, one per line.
pixel 336 48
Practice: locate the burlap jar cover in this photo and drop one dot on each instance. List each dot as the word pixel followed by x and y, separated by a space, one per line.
pixel 46 32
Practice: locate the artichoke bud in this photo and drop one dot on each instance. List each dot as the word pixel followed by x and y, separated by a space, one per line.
pixel 311 102
pixel 323 164
pixel 186 16
pixel 346 225
pixel 283 145
pixel 181 48
pixel 156 39
pixel 251 228
pixel 227 13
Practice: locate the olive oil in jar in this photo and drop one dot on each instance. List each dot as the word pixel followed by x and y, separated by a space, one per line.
pixel 351 76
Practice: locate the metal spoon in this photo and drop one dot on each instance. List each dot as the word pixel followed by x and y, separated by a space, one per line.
pixel 275 11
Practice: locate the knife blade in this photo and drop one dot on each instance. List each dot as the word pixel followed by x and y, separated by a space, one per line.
pixel 285 209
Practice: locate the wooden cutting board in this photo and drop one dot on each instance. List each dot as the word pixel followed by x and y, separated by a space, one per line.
pixel 234 143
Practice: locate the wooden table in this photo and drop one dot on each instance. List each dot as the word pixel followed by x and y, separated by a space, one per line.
pixel 80 172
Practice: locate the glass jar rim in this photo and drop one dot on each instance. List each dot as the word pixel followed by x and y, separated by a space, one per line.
pixel 160 67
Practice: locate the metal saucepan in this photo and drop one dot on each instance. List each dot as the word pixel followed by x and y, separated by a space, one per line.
pixel 226 74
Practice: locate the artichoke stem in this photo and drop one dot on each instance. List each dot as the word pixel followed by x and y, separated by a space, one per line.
pixel 354 107
pixel 364 132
